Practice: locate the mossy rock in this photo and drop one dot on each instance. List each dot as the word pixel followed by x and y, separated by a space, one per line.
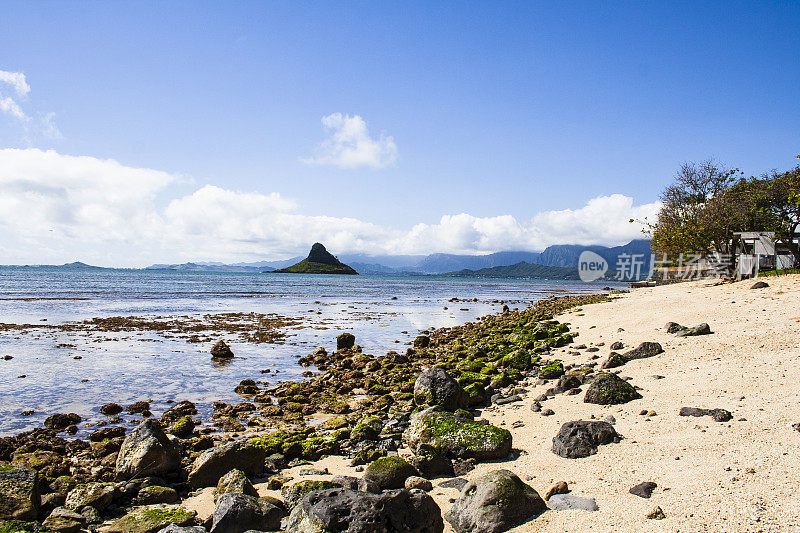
pixel 366 456
pixel 519 360
pixel 468 378
pixel 292 494
pixel 314 448
pixel 554 369
pixel 363 432
pixel 19 493
pixel 374 422
pixel 154 494
pixel 234 482
pixel 272 443
pixel 455 437
pixel 336 422
pixel 470 366
pixel 474 394
pixel 610 389
pixel 17 526
pixel 336 406
pixel 615 360
pixel 183 428
pixel 387 473
pixel 151 519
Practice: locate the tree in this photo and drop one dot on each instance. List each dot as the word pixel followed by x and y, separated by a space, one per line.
pixel 692 218
pixel 768 203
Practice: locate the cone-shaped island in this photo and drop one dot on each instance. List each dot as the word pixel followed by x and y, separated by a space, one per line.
pixel 319 261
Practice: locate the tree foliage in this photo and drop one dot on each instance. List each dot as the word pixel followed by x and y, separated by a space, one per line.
pixel 690 220
pixel 707 202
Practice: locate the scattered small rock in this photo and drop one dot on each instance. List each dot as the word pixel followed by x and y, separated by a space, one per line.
pixel 644 489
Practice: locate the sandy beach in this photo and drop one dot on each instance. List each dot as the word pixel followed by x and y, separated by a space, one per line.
pixel 734 476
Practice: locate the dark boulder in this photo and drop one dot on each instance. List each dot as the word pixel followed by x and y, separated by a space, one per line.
pixel 147 451
pixel 701 329
pixel 644 350
pixel 610 389
pixel 212 464
pixel 568 382
pixel 292 494
pixel 644 489
pixel 430 463
pixel 345 341
pixel 719 415
pixel 759 285
pixel 495 502
pixel 387 473
pixel 235 482
pixel 614 360
pixel 111 409
pixel 221 350
pixel 422 341
pixel 61 421
pixel 344 510
pixel 237 513
pixel 581 438
pixel 435 388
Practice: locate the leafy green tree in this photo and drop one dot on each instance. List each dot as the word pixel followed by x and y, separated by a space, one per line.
pixel 692 218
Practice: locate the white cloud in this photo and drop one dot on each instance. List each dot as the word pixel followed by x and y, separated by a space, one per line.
pixel 350 145
pixel 16 80
pixel 58 208
pixel 11 105
pixel 89 201
pixel 8 104
pixel 604 220
pixel 49 128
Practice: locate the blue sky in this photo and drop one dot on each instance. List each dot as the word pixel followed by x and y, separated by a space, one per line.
pixel 502 112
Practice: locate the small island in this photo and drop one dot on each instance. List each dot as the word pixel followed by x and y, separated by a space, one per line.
pixel 319 261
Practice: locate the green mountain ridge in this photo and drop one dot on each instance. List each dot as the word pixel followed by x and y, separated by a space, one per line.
pixel 519 270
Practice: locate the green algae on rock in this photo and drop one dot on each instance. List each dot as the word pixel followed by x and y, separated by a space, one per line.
pixel 457 437
pixel 610 389
pixel 387 473
pixel 150 519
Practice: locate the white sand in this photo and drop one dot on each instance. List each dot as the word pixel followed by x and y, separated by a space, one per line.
pixel 735 476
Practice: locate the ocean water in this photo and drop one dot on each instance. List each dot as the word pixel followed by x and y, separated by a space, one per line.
pixel 80 370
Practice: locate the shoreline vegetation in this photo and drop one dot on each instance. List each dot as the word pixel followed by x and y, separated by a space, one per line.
pixel 560 395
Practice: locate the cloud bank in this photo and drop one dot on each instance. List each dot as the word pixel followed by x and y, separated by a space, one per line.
pixel 58 208
pixel 350 145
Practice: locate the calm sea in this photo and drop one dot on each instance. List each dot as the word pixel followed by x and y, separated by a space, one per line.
pixel 384 312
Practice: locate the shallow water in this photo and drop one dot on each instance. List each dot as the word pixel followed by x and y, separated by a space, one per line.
pixel 124 367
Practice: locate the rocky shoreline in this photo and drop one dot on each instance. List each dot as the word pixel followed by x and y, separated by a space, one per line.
pixel 446 437
pixel 366 404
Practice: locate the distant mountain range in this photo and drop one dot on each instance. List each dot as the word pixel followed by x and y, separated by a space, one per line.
pixel 521 264
pixel 562 255
pixel 519 270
